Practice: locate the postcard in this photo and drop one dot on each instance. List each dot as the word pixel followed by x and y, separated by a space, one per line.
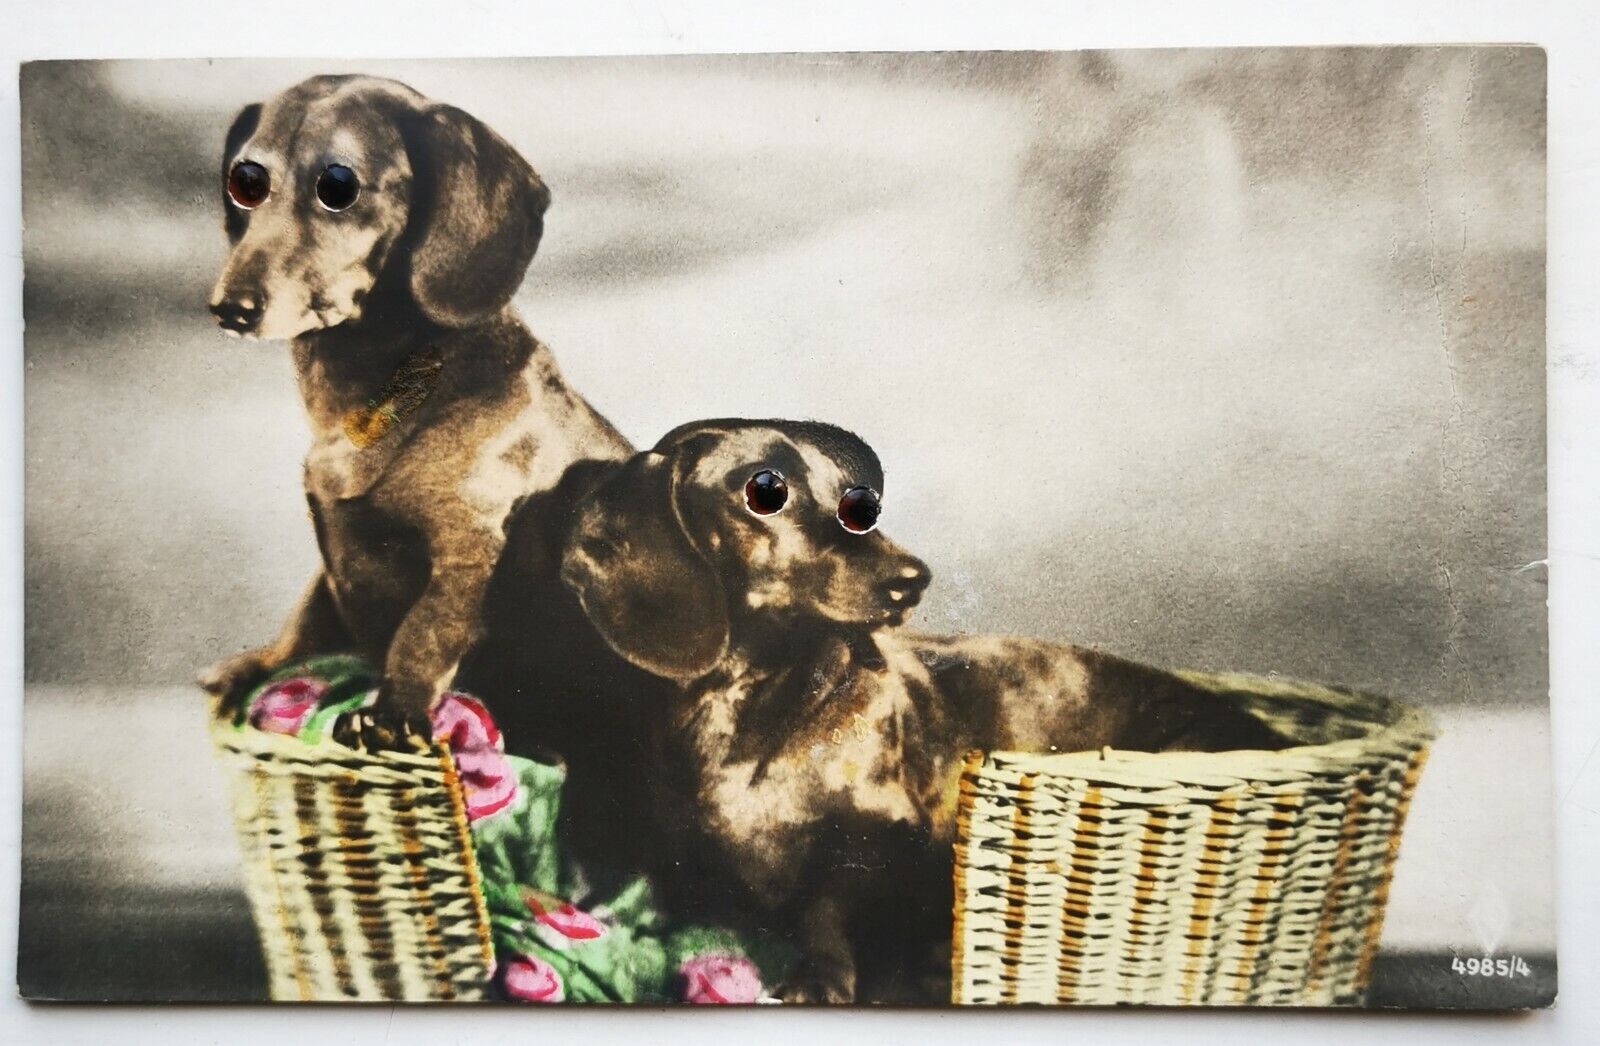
pixel 974 529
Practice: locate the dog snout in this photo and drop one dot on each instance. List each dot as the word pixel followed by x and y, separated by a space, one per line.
pixel 903 589
pixel 239 313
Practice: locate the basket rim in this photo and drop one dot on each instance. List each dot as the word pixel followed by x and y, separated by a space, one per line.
pixel 1399 729
pixel 245 740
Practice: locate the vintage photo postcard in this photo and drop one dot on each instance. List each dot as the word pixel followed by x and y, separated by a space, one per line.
pixel 969 529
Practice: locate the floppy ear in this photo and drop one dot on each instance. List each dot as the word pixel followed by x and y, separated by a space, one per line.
pixel 647 589
pixel 477 215
pixel 244 125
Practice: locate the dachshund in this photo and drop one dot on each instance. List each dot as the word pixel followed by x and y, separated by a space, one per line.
pixel 809 760
pixel 383 235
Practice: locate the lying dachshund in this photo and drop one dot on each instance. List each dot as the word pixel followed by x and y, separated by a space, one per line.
pixel 384 235
pixel 810 761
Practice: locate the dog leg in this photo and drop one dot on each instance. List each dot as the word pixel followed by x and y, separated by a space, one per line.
pixel 827 969
pixel 428 646
pixel 314 627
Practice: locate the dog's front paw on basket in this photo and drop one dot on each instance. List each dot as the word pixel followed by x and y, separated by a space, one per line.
pixel 231 680
pixel 380 727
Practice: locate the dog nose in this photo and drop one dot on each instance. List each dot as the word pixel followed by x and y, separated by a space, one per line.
pixel 239 315
pixel 905 588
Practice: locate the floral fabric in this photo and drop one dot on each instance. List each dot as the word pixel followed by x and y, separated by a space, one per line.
pixel 558 935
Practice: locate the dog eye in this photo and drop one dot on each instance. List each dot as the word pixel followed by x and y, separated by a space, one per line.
pixel 859 509
pixel 766 493
pixel 337 187
pixel 248 184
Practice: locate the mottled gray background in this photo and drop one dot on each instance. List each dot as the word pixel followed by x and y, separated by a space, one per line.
pixel 1227 359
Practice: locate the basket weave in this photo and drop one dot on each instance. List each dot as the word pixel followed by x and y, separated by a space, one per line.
pixel 1232 878
pixel 360 870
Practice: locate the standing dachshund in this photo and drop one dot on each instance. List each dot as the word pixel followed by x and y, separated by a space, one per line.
pixel 810 760
pixel 384 235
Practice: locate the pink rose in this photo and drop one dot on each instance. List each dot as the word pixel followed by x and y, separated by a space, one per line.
pixel 528 978
pixel 478 749
pixel 283 708
pixel 560 924
pixel 720 979
pixel 464 723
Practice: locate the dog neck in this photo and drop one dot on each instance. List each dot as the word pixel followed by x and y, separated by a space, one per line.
pixel 779 670
pixel 353 367
pixel 771 642
pixel 754 709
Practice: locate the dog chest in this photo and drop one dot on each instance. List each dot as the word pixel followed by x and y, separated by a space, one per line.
pixel 376 562
pixel 842 766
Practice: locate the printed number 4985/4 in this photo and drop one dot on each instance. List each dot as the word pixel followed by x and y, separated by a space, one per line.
pixel 1515 966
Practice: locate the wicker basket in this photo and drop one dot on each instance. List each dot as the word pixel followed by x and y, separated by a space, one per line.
pixel 360 870
pixel 1233 878
pixel 1254 878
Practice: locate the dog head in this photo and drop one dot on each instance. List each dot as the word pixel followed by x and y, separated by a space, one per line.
pixel 728 521
pixel 342 181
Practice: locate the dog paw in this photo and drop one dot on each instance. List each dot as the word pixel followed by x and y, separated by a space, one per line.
pixel 382 728
pixel 230 681
pixel 813 985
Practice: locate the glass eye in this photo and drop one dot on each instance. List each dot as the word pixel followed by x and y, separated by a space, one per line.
pixel 248 184
pixel 337 187
pixel 766 492
pixel 859 510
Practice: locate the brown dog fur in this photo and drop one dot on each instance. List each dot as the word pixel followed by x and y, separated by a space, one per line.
pixel 409 507
pixel 807 766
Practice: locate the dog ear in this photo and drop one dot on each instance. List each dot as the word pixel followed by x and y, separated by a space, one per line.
pixel 641 580
pixel 477 215
pixel 244 125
